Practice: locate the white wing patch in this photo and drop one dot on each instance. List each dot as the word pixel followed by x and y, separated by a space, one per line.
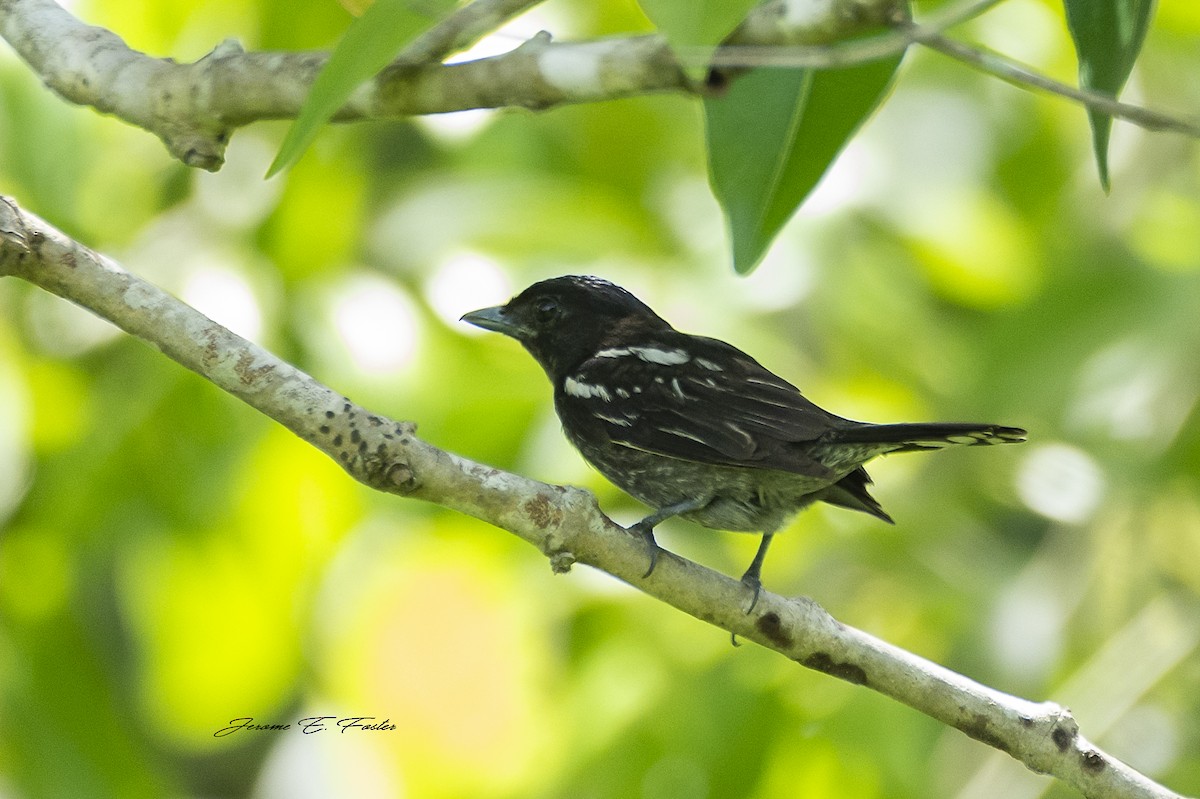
pixel 648 354
pixel 673 431
pixel 578 388
pixel 620 421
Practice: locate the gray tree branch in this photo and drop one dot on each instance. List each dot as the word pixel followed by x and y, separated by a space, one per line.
pixel 563 523
pixel 195 107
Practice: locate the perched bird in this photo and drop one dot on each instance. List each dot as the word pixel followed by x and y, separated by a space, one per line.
pixel 694 427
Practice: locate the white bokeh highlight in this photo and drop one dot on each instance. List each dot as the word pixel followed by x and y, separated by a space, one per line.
pixel 466 281
pixel 226 297
pixel 377 323
pixel 1061 482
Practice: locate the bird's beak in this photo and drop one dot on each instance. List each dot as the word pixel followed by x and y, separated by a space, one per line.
pixel 495 318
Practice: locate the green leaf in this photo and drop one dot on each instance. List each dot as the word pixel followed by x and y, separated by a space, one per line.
pixel 690 26
pixel 369 45
pixel 1108 36
pixel 772 137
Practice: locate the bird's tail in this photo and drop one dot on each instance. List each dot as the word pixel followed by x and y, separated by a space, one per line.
pixel 925 436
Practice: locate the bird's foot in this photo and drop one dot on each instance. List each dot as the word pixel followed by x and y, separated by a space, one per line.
pixel 752 581
pixel 652 548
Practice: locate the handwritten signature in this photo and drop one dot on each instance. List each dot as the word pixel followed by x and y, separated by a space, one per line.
pixel 310 725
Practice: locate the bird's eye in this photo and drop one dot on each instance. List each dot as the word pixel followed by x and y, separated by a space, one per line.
pixel 547 310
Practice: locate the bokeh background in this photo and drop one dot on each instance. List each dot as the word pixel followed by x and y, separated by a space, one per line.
pixel 170 560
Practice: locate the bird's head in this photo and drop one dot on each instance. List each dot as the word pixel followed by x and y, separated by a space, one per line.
pixel 565 320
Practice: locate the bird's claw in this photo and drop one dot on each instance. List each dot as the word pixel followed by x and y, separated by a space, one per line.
pixel 752 582
pixel 652 547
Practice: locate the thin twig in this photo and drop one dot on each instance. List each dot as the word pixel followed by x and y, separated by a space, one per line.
pixel 462 29
pixel 1018 74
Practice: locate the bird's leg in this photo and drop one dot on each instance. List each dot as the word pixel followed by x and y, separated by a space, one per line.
pixel 645 528
pixel 752 579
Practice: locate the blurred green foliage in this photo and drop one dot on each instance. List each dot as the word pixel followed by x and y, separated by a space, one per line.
pixel 170 561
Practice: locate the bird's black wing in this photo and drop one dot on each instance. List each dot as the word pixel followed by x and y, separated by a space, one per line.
pixel 698 399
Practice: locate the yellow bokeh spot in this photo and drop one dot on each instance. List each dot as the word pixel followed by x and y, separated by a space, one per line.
pixel 217 631
pixel 63 409
pixel 437 639
pixel 356 7
pixel 298 503
pixel 975 252
pixel 36 572
pixel 872 397
pixel 221 613
pixel 321 180
pixel 816 769
pixel 1164 232
pixel 1180 18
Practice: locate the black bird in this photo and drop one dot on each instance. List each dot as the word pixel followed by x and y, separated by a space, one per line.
pixel 694 427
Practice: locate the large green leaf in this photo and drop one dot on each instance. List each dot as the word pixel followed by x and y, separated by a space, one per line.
pixel 772 137
pixel 1108 36
pixel 369 44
